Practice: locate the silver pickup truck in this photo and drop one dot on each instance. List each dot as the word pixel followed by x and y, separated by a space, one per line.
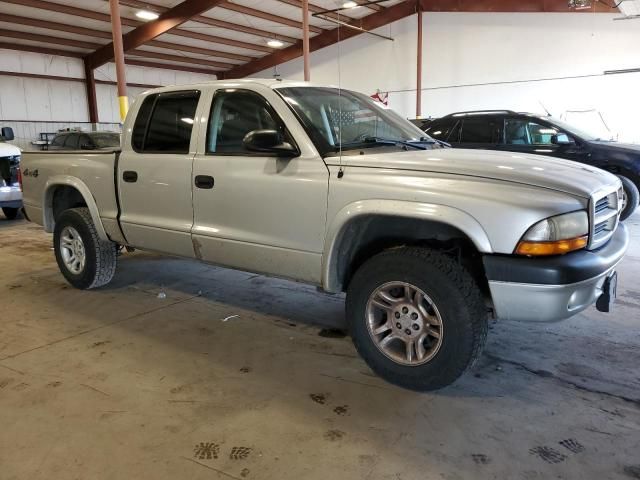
pixel 325 186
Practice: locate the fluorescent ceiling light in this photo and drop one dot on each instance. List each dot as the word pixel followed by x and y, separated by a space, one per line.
pixel 275 43
pixel 187 120
pixel 350 5
pixel 147 15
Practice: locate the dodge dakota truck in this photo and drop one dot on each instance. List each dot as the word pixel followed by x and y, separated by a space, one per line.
pixel 323 185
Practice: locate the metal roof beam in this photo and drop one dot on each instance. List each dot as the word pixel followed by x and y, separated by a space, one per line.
pixel 144 33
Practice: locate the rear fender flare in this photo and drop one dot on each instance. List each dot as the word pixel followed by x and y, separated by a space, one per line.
pixel 80 186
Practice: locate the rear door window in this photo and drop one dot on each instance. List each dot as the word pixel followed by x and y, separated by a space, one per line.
pixel 480 129
pixel 169 127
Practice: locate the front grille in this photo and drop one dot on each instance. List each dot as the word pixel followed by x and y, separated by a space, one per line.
pixel 602 205
pixel 604 216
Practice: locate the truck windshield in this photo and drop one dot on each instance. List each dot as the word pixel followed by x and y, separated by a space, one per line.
pixel 588 136
pixel 342 120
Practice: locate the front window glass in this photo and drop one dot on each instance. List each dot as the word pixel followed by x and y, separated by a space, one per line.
pixel 233 115
pixel 341 119
pixel 573 130
pixel 525 132
pixel 71 142
pixel 58 141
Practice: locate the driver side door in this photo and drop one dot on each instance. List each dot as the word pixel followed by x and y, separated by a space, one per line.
pixel 257 211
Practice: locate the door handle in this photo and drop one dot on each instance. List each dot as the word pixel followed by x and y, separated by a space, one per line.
pixel 130 176
pixel 204 181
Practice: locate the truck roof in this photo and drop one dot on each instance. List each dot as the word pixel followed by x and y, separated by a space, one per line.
pixel 268 82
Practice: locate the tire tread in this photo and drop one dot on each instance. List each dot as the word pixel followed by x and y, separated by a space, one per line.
pixel 472 297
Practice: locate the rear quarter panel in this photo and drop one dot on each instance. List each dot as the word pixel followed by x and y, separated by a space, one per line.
pixel 42 171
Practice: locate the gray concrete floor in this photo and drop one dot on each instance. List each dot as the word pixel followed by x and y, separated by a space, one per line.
pixel 118 383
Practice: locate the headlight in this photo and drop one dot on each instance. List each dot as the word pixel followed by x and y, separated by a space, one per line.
pixel 556 235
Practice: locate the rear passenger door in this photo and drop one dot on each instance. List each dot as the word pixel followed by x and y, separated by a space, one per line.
pixel 154 174
pixel 481 131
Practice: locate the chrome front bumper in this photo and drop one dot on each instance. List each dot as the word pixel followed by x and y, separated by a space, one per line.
pixel 559 286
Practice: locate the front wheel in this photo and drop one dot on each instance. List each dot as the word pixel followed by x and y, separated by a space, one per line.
pixel 84 259
pixel 630 199
pixel 416 317
pixel 10 213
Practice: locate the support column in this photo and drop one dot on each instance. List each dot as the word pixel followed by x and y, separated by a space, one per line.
pixel 419 65
pixel 92 101
pixel 118 55
pixel 305 39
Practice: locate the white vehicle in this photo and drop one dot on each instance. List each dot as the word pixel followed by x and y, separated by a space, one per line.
pixel 325 186
pixel 10 194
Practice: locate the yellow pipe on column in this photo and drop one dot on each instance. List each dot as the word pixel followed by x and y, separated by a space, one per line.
pixel 124 107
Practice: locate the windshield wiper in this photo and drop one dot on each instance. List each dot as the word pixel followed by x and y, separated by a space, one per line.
pixel 391 141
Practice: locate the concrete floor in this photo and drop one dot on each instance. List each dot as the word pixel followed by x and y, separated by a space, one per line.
pixel 118 383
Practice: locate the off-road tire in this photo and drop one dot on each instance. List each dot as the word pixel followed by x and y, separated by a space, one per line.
pixel 10 213
pixel 633 197
pixel 454 292
pixel 100 263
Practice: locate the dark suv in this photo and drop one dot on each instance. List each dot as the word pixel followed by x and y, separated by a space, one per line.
pixel 529 133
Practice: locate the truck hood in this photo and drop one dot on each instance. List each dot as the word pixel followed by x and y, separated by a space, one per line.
pixel 534 170
pixel 8 150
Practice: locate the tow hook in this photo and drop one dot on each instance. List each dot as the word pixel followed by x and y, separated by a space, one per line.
pixel 608 297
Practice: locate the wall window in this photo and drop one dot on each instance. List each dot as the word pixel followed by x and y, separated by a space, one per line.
pixel 168 128
pixel 233 115
pixel 524 132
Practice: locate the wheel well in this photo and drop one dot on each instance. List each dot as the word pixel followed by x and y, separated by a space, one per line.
pixel 63 198
pixel 367 236
pixel 618 170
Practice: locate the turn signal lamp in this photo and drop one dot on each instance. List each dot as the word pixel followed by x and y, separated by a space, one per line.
pixel 556 235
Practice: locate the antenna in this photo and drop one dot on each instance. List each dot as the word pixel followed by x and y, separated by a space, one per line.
pixel 544 108
pixel 340 169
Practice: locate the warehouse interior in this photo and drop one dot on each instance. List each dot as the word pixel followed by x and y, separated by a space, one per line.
pixel 181 367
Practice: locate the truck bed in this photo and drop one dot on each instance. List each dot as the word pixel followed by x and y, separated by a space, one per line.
pixel 91 172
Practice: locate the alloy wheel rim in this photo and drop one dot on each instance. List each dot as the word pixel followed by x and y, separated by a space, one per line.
pixel 404 323
pixel 72 250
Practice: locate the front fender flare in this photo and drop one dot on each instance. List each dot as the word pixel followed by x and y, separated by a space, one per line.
pixel 80 186
pixel 422 211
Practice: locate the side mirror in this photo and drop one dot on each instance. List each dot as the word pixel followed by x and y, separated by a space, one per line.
pixel 561 139
pixel 7 133
pixel 269 141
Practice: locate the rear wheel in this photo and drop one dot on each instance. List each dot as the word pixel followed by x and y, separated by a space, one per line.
pixel 10 213
pixel 630 199
pixel 416 317
pixel 84 259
